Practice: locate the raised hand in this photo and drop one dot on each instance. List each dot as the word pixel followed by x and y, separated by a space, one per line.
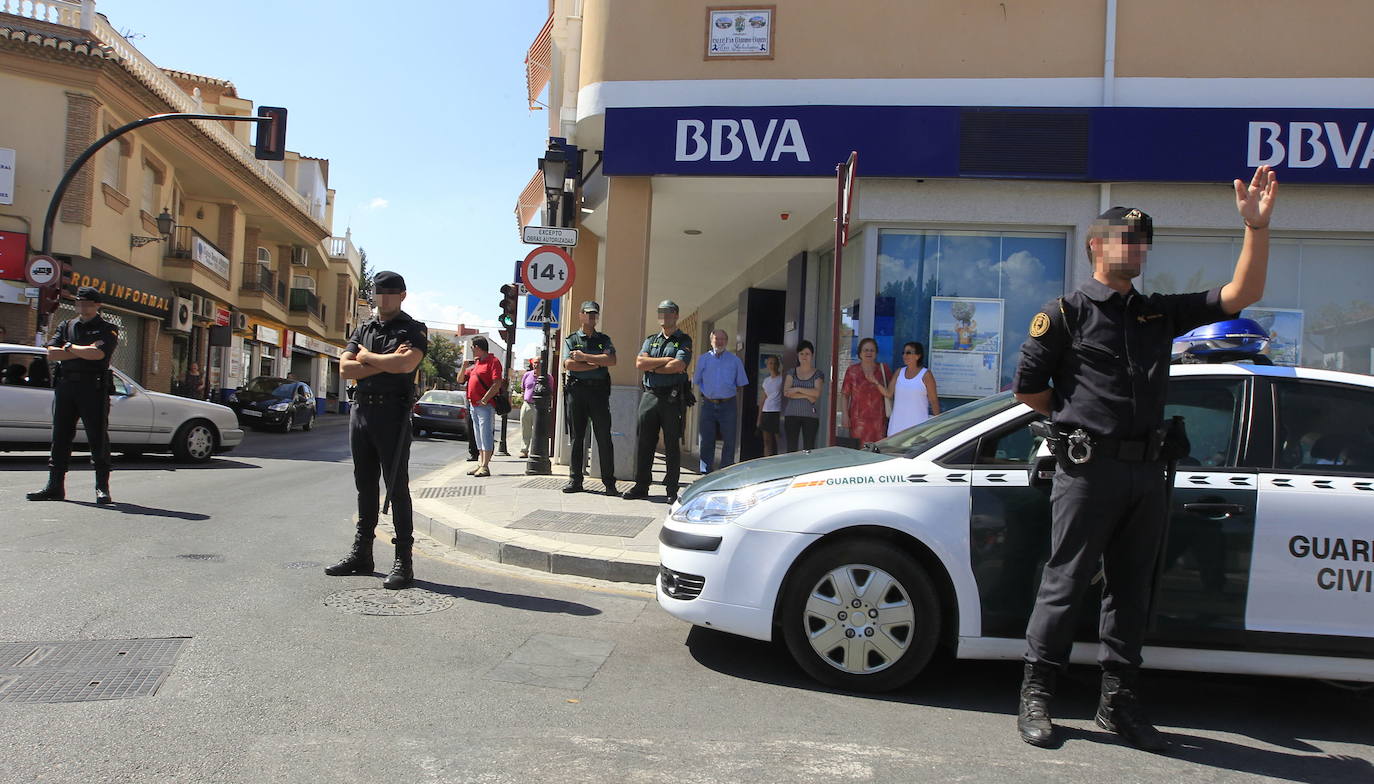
pixel 1255 202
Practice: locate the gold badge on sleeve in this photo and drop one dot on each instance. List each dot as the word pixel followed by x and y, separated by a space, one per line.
pixel 1039 325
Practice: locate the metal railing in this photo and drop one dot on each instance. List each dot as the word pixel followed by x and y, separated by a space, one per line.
pixel 305 300
pixel 261 279
pixel 81 15
pixel 181 242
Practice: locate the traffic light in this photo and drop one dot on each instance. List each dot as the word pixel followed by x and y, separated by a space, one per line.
pixel 510 294
pixel 508 336
pixel 270 144
pixel 50 296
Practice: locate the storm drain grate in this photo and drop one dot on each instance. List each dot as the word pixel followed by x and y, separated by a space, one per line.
pixel 627 526
pixel 547 483
pixel 452 491
pixel 51 672
pixel 380 601
pixel 211 557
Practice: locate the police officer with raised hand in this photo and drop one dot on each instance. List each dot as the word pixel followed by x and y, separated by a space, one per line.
pixel 382 356
pixel 84 346
pixel 587 356
pixel 1097 363
pixel 663 359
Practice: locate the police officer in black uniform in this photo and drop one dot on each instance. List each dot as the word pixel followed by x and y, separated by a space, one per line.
pixel 383 355
pixel 588 355
pixel 664 359
pixel 1097 363
pixel 84 345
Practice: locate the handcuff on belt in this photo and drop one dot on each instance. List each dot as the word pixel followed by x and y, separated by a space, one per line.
pixel 1079 447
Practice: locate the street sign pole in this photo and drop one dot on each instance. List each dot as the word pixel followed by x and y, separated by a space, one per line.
pixel 547 273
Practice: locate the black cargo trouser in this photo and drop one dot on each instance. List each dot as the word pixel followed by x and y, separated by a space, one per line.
pixel 87 400
pixel 376 433
pixel 659 411
pixel 590 402
pixel 1110 510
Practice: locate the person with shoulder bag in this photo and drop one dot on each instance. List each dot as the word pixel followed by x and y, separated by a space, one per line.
pixel 485 382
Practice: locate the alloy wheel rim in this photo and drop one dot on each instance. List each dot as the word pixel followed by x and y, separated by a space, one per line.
pixel 199 442
pixel 859 619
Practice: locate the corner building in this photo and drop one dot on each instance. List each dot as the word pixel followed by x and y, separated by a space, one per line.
pixel 988 137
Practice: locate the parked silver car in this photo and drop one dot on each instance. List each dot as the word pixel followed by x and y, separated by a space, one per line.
pixel 140 420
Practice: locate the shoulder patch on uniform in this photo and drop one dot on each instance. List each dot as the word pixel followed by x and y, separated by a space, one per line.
pixel 1039 325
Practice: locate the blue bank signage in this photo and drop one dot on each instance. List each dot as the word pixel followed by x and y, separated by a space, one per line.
pixel 1100 143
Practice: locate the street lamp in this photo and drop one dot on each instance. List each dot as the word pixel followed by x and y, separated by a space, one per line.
pixel 165 224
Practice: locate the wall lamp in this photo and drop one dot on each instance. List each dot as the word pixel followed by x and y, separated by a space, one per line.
pixel 165 224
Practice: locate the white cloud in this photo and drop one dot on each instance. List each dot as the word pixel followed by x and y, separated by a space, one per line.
pixel 378 203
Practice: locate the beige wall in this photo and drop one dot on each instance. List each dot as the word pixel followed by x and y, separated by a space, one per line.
pixel 626 40
pixel 622 283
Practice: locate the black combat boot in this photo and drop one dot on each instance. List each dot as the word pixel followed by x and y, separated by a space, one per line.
pixel 1119 711
pixel 54 491
pixel 358 560
pixel 1033 718
pixel 402 572
pixel 102 489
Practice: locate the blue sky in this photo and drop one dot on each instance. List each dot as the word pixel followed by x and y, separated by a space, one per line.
pixel 420 109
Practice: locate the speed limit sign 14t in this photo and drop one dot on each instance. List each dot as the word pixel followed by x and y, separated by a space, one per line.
pixel 547 272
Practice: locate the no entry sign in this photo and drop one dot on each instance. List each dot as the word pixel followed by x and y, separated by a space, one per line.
pixel 41 270
pixel 547 272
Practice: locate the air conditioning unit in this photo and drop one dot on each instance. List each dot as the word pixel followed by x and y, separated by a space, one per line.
pixel 239 321
pixel 196 305
pixel 180 318
pixel 300 257
pixel 206 309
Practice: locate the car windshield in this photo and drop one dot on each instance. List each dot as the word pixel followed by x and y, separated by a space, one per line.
pixel 938 428
pixel 443 396
pixel 269 387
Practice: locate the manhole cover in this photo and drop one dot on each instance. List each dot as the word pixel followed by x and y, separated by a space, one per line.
pixel 380 601
pixel 201 557
pixel 451 491
pixel 301 565
pixel 627 526
pixel 85 670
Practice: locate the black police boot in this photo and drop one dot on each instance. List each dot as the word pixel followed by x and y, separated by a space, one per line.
pixel 102 490
pixel 1033 718
pixel 358 560
pixel 635 493
pixel 573 486
pixel 1119 711
pixel 402 572
pixel 54 491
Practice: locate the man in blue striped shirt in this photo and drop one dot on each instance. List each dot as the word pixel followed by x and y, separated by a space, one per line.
pixel 719 377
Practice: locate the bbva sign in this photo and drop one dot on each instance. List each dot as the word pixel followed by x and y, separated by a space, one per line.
pixel 727 140
pixel 1307 145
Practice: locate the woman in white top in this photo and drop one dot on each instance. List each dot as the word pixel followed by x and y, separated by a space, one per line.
pixel 770 405
pixel 914 399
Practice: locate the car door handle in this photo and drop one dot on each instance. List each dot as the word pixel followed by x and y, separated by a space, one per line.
pixel 1214 509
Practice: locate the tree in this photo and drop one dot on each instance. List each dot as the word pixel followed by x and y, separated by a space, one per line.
pixel 443 355
pixel 365 285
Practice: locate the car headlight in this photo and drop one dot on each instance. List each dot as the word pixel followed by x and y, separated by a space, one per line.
pixel 726 505
pixel 282 406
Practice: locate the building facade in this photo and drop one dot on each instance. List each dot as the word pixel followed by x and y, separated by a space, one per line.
pixel 987 136
pixel 249 281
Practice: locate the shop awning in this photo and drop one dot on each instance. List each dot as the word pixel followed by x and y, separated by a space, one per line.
pixel 539 63
pixel 531 201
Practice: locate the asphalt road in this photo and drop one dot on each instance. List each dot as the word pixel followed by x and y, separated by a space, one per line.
pixel 525 677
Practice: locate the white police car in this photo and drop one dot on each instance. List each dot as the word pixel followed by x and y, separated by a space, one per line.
pixel 866 562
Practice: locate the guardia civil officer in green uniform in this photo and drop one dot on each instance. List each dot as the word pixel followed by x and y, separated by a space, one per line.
pixel 1097 363
pixel 663 359
pixel 382 356
pixel 587 356
pixel 81 390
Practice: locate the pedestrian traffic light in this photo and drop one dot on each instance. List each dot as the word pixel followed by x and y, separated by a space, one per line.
pixel 270 144
pixel 510 293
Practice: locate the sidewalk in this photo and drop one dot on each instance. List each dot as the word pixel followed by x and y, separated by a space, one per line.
pixel 527 521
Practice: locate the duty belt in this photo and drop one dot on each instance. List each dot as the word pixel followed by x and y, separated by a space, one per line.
pixel 381 399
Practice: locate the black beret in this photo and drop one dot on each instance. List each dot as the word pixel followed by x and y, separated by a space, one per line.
pixel 87 293
pixel 1136 221
pixel 387 282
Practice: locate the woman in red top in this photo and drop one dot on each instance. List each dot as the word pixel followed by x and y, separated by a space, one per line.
pixel 864 392
pixel 484 381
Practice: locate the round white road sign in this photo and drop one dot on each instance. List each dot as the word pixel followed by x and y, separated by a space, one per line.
pixel 41 270
pixel 547 272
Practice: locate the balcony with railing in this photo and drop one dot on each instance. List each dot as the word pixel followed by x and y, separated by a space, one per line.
pixel 306 311
pixel 194 260
pixel 261 291
pixel 342 250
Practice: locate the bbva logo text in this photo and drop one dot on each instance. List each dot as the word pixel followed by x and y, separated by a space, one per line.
pixel 1307 145
pixel 724 143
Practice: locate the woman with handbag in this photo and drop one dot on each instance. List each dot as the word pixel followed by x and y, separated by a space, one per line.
pixel 485 381
pixel 864 397
pixel 801 391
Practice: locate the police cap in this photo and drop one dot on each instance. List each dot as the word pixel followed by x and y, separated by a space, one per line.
pixel 667 305
pixel 387 282
pixel 88 294
pixel 1140 227
pixel 591 306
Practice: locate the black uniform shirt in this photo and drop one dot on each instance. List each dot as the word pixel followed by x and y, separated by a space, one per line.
pixel 97 332
pixel 384 337
pixel 595 343
pixel 1109 362
pixel 678 346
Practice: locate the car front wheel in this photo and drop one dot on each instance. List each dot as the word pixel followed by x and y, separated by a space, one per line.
pixel 861 615
pixel 194 442
pixel 309 423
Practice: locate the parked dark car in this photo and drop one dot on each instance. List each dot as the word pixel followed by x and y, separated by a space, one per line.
pixel 440 411
pixel 278 403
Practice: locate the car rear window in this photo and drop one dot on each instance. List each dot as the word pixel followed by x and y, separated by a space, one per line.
pixel 443 396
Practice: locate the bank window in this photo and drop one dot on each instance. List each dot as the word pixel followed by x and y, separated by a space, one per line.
pixel 1317 305
pixel 1324 427
pixel 979 289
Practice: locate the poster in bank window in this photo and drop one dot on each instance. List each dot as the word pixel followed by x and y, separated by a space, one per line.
pixel 1284 326
pixel 965 348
